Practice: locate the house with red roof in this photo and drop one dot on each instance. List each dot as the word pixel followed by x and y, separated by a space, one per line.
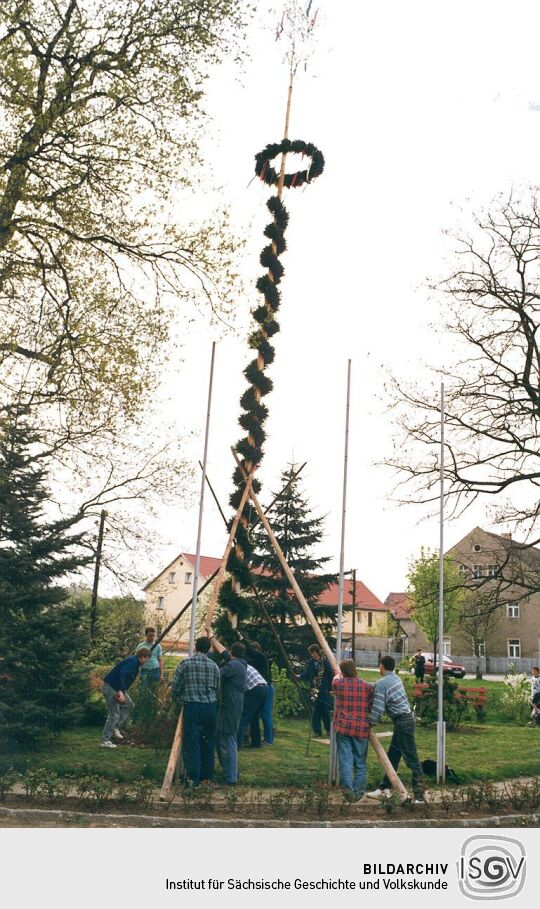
pixel 169 591
pixel 370 614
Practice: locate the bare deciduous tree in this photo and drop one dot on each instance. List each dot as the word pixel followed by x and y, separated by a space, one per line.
pixel 493 389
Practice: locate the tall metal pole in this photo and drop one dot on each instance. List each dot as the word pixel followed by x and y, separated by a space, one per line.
pixel 201 505
pixel 93 602
pixel 441 726
pixel 343 516
pixel 354 615
pixel 333 747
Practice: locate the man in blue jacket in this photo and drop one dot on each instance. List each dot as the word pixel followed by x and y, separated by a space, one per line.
pixel 319 676
pixel 119 703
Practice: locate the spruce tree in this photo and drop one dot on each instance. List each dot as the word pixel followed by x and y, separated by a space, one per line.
pixel 43 687
pixel 298 533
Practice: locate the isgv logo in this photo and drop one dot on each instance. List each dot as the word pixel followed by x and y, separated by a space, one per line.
pixel 491 867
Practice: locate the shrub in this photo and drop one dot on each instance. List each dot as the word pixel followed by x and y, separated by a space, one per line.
pixel 7 779
pixel 155 716
pixel 288 700
pixel 515 698
pixel 455 708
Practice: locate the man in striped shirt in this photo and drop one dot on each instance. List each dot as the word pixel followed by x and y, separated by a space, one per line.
pixel 390 698
pixel 254 697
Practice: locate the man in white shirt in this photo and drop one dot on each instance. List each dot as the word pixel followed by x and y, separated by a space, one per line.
pixel 254 697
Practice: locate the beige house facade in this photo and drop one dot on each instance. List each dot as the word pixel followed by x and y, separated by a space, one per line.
pixel 502 580
pixel 503 574
pixel 167 594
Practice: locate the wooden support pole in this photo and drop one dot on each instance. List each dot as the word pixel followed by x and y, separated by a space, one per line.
pixel 377 747
pixel 168 779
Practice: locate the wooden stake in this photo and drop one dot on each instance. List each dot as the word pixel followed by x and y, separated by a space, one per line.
pixel 168 779
pixel 379 750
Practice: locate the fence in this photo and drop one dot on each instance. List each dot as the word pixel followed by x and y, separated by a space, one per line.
pixel 495 665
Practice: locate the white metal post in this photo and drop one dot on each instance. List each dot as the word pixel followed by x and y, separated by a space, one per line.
pixel 441 727
pixel 333 748
pixel 201 505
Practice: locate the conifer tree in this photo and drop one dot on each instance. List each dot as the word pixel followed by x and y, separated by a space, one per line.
pixel 298 533
pixel 42 684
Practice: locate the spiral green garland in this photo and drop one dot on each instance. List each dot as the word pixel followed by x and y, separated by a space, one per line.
pixel 254 412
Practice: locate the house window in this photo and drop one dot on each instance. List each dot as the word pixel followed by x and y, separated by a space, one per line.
pixel 464 571
pixel 370 620
pixel 447 647
pixel 189 577
pixel 485 571
pixel 161 603
pixel 514 647
pixel 512 610
pixel 480 649
pixel 477 547
pixel 172 577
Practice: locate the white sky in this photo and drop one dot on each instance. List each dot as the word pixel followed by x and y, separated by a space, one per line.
pixel 423 113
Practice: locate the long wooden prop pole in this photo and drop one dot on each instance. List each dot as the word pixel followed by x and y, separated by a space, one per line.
pixel 168 779
pixel 379 750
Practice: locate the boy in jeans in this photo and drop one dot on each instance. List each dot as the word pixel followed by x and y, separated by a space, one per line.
pixel 119 703
pixel 353 699
pixel 390 698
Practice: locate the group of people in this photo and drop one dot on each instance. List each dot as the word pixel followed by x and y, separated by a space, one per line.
pixel 221 703
pixel 358 706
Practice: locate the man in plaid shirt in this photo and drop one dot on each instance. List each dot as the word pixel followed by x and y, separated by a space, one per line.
pixel 196 685
pixel 353 699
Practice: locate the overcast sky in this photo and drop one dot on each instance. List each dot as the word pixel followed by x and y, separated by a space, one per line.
pixel 423 114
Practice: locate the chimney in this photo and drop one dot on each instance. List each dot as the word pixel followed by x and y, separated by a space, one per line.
pixel 506 536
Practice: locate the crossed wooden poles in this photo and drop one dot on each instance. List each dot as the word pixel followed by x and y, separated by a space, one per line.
pixel 310 618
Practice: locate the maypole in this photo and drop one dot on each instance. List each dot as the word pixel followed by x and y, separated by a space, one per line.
pixel 296 25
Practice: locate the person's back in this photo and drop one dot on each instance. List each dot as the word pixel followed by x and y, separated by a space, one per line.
pixel 233 684
pixel 196 679
pixel 353 699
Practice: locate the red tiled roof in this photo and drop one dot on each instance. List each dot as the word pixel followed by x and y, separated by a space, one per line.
pixel 365 599
pixel 399 605
pixel 207 564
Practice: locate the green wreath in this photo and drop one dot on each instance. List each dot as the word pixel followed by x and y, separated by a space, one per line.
pixel 269 175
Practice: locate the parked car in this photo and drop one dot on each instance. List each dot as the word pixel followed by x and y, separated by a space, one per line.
pixel 449 666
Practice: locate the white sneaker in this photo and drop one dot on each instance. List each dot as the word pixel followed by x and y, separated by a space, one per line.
pixel 108 744
pixel 379 793
pixel 117 734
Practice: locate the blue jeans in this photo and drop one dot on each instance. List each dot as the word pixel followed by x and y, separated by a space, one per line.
pixel 253 702
pixel 352 757
pixel 227 750
pixel 117 714
pixel 199 740
pixel 403 744
pixel 266 715
pixel 322 710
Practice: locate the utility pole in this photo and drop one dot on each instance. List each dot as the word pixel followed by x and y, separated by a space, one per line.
pixel 93 602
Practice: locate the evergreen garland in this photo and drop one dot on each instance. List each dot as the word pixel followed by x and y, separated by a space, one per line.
pixel 255 413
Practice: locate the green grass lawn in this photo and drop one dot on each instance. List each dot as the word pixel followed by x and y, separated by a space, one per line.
pixel 489 752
